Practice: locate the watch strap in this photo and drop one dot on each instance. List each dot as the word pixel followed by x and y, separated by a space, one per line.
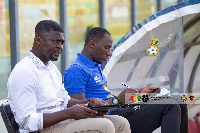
pixel 119 100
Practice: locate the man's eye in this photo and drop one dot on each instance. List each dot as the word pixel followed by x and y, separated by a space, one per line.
pixel 106 47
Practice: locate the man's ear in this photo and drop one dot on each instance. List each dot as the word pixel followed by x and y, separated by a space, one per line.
pixel 92 44
pixel 38 39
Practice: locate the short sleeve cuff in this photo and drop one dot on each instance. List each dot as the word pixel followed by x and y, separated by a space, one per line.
pixel 75 90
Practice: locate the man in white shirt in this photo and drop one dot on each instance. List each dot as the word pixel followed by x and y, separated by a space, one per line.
pixel 38 99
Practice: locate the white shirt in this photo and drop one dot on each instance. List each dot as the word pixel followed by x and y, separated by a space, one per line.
pixel 34 89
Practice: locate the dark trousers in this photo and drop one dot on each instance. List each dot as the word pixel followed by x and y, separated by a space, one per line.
pixel 171 117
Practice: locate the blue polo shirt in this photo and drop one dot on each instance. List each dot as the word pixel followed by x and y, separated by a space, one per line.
pixel 85 76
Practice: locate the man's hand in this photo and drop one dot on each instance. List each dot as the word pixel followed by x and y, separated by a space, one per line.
pixel 122 94
pixel 101 113
pixel 147 89
pixel 80 111
pixel 97 102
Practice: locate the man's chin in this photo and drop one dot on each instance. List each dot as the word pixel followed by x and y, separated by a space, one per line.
pixel 100 62
pixel 53 59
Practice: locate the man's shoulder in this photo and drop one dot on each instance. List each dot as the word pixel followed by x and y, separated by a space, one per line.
pixel 75 68
pixel 23 65
pixel 20 71
pixel 77 64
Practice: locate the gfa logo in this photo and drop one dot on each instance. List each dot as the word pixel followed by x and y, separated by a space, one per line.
pixel 184 98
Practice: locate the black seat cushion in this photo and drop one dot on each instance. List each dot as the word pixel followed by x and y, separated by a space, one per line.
pixel 8 118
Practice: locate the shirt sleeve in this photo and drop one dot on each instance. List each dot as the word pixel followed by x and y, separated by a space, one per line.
pixel 22 91
pixel 66 97
pixel 75 80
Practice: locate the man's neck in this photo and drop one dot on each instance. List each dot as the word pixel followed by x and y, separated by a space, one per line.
pixel 37 54
pixel 87 54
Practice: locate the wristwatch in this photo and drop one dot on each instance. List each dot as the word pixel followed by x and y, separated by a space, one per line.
pixel 115 100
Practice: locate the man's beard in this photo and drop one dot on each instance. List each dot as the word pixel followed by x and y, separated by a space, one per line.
pixel 51 57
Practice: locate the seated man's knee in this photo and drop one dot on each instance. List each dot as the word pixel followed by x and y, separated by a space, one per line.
pixel 174 105
pixel 105 124
pixel 177 108
pixel 121 124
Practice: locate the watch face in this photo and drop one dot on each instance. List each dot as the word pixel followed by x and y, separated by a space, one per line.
pixel 115 101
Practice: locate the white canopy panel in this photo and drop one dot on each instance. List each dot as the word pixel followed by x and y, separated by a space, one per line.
pixel 152 52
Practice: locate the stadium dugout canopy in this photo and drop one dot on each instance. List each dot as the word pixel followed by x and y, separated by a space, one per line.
pixel 163 50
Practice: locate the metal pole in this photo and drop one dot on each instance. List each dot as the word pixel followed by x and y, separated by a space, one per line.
pixel 159 5
pixel 194 71
pixel 181 56
pixel 14 32
pixel 63 23
pixel 102 16
pixel 133 13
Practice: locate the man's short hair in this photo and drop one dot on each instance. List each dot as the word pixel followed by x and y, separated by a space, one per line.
pixel 95 34
pixel 46 26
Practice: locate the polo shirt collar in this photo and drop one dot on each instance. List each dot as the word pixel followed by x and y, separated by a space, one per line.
pixel 86 60
pixel 37 62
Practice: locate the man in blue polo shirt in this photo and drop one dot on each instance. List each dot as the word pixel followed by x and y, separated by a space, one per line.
pixel 84 79
pixel 87 79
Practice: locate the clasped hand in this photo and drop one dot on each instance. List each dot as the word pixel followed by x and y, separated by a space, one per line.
pixel 81 111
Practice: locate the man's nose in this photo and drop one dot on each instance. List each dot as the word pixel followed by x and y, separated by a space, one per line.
pixel 60 45
pixel 109 53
